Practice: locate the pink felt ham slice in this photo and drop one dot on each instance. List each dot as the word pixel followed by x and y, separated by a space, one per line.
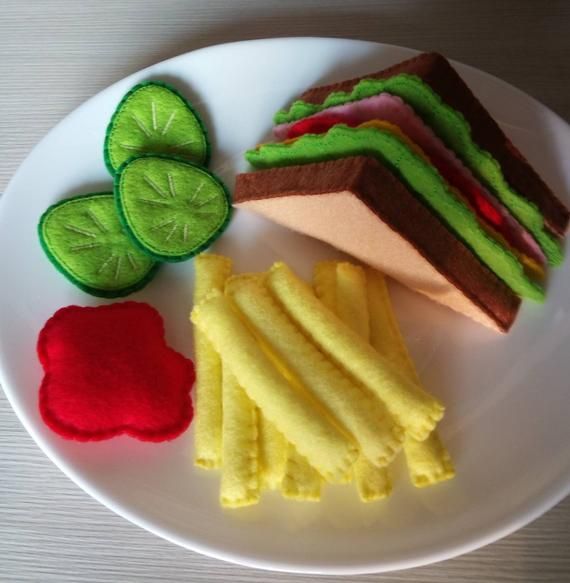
pixel 393 109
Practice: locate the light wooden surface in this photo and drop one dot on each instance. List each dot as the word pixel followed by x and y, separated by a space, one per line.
pixel 55 54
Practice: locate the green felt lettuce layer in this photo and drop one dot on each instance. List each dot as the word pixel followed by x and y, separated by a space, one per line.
pixel 455 131
pixel 419 175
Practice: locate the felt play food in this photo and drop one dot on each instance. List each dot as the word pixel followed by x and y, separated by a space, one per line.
pixel 172 208
pixel 240 476
pixel 417 174
pixel 301 481
pixel 411 406
pixel 83 237
pixel 436 92
pixel 428 461
pixel 109 371
pixel 351 406
pixel 273 450
pixel 154 118
pixel 342 288
pixel 292 412
pixel 211 272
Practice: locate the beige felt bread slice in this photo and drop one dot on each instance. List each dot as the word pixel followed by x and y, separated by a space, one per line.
pixel 358 206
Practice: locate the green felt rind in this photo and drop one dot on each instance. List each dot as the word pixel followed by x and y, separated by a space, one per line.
pixel 419 175
pixel 455 131
pixel 52 233
pixel 171 208
pixel 115 155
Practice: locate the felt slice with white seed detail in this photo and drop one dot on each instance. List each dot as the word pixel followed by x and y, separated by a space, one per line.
pixel 84 239
pixel 154 118
pixel 172 208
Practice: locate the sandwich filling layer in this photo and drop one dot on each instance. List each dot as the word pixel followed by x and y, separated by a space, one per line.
pixel 455 132
pixel 419 175
pixel 393 109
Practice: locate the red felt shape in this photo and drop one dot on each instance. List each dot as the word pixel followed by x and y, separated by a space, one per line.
pixel 109 371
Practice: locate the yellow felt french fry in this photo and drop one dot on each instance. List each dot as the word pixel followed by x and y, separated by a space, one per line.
pixel 272 453
pixel 240 477
pixel 211 272
pixel 301 481
pixel 352 407
pixel 324 283
pixel 413 408
pixel 351 298
pixel 428 461
pixel 372 483
pixel 351 305
pixel 293 413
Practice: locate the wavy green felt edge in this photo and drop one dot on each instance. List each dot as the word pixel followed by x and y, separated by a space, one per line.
pixel 125 222
pixel 419 175
pixel 455 131
pixel 100 293
pixel 107 157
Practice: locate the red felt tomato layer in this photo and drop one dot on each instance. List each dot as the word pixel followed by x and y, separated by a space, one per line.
pixel 108 371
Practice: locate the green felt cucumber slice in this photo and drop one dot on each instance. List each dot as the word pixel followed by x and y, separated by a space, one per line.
pixel 154 118
pixel 172 208
pixel 84 239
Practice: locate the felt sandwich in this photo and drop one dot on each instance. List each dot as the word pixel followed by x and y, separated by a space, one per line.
pixel 405 170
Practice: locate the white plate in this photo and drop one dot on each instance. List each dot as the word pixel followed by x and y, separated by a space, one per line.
pixel 508 403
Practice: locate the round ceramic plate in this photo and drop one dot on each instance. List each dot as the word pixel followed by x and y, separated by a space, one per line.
pixel 507 396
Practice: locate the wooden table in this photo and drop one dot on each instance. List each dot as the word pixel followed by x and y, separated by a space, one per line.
pixel 54 54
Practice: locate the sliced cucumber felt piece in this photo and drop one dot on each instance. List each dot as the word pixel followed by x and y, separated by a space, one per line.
pixel 172 208
pixel 154 118
pixel 84 239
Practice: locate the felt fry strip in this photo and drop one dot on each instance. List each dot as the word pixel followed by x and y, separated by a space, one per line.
pixel 324 283
pixel 348 283
pixel 372 483
pixel 240 478
pixel 272 453
pixel 352 305
pixel 329 450
pixel 428 461
pixel 413 408
pixel 351 406
pixel 301 481
pixel 211 273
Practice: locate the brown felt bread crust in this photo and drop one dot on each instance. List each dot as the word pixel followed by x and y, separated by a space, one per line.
pixel 436 71
pixel 397 207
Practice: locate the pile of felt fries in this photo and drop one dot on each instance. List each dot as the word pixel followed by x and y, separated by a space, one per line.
pixel 297 386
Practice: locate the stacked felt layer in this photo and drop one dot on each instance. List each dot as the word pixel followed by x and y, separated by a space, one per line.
pixel 422 124
pixel 290 395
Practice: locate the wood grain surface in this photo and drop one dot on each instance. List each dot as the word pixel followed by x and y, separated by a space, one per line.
pixel 54 54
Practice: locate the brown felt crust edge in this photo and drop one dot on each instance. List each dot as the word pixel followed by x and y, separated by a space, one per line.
pixel 395 205
pixel 437 72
